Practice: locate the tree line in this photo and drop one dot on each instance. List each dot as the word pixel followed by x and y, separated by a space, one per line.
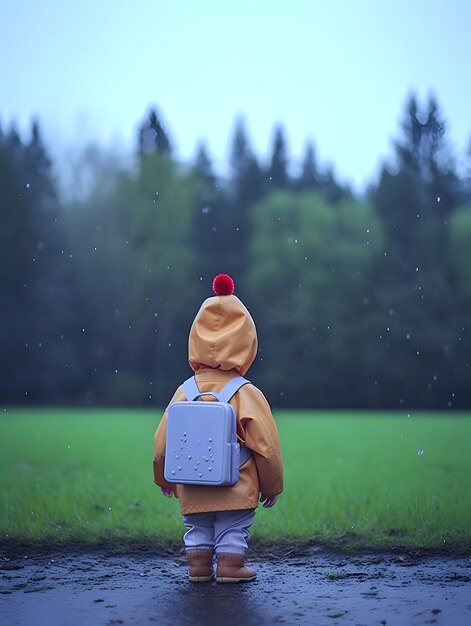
pixel 360 302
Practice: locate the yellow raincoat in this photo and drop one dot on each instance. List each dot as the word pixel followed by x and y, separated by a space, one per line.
pixel 223 344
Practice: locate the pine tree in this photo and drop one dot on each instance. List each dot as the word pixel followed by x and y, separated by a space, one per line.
pixel 331 189
pixel 17 246
pixel 211 227
pixel 246 188
pixel 439 166
pixel 425 156
pixel 310 178
pixel 35 286
pixel 278 170
pixel 153 137
pixel 414 277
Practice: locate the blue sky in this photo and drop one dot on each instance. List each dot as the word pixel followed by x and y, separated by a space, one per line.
pixel 334 71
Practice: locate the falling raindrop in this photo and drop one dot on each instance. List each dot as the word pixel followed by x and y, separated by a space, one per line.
pixel 420 452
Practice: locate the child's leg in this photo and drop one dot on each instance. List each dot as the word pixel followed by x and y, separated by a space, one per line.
pixel 199 544
pixel 200 534
pixel 231 533
pixel 231 530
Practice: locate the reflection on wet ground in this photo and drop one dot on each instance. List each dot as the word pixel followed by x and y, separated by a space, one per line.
pixel 74 589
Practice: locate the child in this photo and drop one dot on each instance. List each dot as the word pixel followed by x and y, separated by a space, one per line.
pixel 223 344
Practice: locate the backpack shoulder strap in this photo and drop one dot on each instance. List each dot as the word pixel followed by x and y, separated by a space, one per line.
pixel 232 387
pixel 190 388
pixel 226 394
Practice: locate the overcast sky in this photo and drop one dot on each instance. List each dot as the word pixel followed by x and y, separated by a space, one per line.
pixel 334 71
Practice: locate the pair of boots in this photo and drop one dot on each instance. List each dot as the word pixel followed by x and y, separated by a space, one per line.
pixel 230 568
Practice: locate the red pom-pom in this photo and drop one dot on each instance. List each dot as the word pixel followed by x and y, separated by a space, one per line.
pixel 223 285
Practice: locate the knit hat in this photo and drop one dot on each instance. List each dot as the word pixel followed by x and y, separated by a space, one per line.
pixel 223 334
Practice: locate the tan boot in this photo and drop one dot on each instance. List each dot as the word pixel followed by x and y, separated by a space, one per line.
pixel 200 566
pixel 231 569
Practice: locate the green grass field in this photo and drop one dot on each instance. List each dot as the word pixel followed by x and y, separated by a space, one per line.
pixel 371 480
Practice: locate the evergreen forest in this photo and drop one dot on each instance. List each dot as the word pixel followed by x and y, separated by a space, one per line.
pixel 361 300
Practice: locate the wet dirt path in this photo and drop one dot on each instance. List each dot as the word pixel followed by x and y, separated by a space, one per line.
pixel 318 588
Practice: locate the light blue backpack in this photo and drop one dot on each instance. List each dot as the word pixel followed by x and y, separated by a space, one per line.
pixel 202 446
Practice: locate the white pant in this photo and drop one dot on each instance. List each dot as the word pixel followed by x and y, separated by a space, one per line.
pixel 222 531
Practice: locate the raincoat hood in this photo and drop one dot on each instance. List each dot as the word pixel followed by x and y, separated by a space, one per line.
pixel 223 336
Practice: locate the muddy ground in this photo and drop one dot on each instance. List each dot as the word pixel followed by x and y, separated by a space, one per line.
pixel 76 587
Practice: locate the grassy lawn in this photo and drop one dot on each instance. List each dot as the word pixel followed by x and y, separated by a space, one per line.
pixel 374 479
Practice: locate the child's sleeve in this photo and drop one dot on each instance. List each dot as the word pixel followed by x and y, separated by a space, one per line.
pixel 261 436
pixel 159 445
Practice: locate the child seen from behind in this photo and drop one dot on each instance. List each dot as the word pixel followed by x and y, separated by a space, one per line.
pixel 223 345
